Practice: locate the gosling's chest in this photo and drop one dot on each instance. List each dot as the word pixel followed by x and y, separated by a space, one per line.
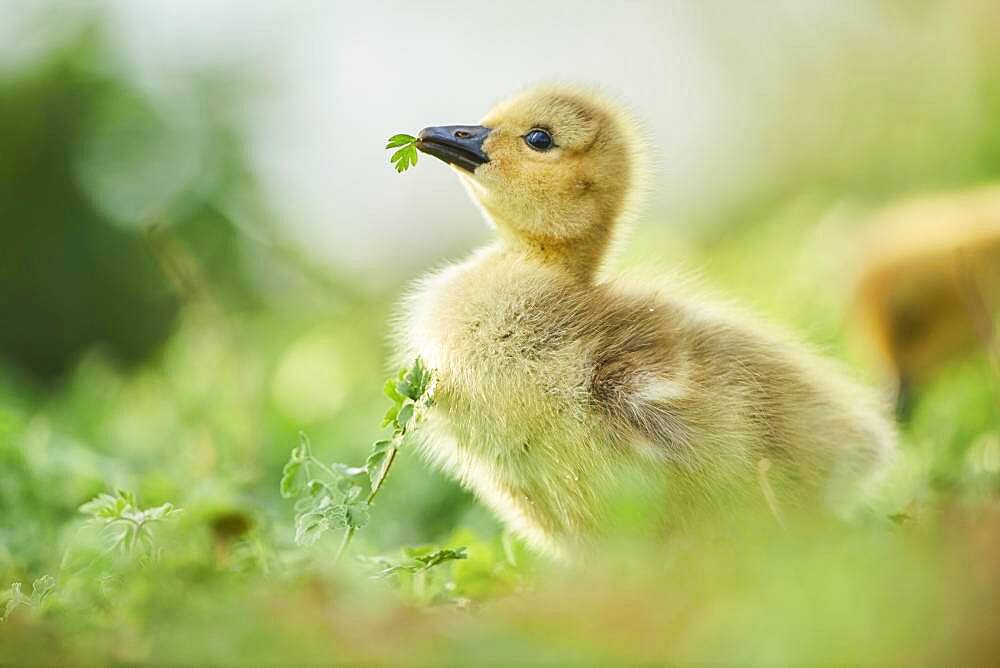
pixel 492 331
pixel 513 356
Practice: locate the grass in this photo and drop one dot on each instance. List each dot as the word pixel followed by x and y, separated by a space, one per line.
pixel 214 571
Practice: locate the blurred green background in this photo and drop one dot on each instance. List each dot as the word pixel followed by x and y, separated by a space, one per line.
pixel 201 243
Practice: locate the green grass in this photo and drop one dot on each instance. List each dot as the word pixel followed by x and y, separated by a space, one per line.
pixel 218 575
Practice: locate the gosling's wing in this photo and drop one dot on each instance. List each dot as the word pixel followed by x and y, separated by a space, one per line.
pixel 641 380
pixel 684 384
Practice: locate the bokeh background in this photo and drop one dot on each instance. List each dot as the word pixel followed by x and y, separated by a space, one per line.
pixel 201 242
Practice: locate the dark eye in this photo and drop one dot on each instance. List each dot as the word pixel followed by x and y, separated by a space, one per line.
pixel 540 140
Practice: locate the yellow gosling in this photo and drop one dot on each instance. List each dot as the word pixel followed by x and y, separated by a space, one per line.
pixel 556 385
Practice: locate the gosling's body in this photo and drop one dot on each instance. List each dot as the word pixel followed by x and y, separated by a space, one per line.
pixel 549 390
pixel 554 385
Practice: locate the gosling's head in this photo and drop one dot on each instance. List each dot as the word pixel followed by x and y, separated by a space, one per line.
pixel 554 167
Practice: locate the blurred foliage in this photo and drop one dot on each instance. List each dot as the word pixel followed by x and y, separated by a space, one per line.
pixel 106 198
pixel 255 344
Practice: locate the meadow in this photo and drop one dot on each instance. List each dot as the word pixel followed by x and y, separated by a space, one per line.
pixel 149 513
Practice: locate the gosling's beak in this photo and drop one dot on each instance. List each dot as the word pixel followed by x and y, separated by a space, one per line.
pixel 459 145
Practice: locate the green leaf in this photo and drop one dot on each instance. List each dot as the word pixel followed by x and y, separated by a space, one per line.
pixel 416 380
pixel 295 469
pixel 348 516
pixel 126 497
pixel 15 599
pixel 404 158
pixel 441 556
pixel 377 463
pixel 290 478
pixel 401 155
pixel 304 451
pixel 356 515
pixel 405 414
pixel 41 588
pixel 349 490
pixel 390 415
pixel 308 504
pixel 316 487
pixel 103 505
pixel 403 388
pixel 400 140
pixel 309 527
pixel 161 512
pixel 389 390
pixel 108 507
pixel 343 470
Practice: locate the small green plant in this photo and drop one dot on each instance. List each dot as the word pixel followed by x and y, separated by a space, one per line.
pixel 410 572
pixel 128 527
pixel 414 560
pixel 339 496
pixel 331 496
pixel 406 156
pixel 40 588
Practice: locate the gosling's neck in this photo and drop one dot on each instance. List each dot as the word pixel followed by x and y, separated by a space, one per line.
pixel 579 258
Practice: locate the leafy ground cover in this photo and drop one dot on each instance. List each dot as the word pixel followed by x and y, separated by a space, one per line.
pixel 221 541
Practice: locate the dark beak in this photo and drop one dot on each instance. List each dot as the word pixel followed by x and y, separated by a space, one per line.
pixel 459 145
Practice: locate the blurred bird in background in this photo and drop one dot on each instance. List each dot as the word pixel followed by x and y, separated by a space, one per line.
pixel 929 291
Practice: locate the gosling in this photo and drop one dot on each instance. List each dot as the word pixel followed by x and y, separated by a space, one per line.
pixel 929 289
pixel 554 385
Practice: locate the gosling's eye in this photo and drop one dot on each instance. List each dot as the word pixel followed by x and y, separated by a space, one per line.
pixel 540 140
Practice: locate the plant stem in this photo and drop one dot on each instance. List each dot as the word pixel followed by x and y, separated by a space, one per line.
pixel 391 458
pixel 349 534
